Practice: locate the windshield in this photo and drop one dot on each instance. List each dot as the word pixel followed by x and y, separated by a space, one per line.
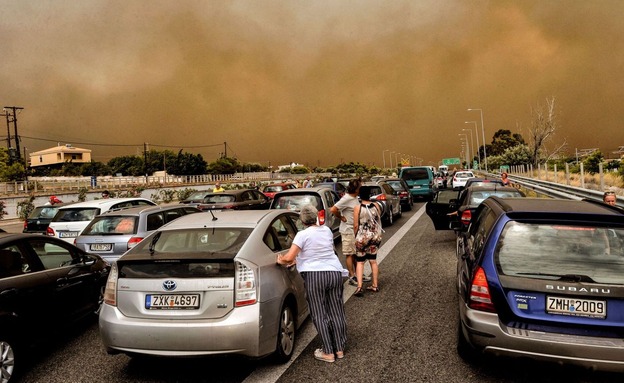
pixel 219 198
pixel 415 174
pixel 114 225
pixel 43 212
pixel 477 197
pixel 556 251
pixel 75 215
pixel 227 241
pixel 296 201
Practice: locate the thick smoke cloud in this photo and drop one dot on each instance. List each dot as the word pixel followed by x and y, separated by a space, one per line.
pixel 311 82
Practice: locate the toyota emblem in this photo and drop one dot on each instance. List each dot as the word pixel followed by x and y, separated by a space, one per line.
pixel 169 285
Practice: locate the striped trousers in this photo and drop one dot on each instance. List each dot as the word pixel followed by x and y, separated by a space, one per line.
pixel 324 291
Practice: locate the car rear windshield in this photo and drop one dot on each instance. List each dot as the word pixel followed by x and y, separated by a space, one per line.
pixel 219 198
pixel 75 215
pixel 396 185
pixel 297 201
pixel 112 225
pixel 464 175
pixel 273 189
pixel 415 174
pixel 562 252
pixel 480 196
pixel 178 269
pixel 43 212
pixel 224 241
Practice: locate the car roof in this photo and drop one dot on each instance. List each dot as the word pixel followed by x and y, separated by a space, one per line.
pixel 316 189
pixel 229 192
pixel 490 187
pixel 545 206
pixel 140 209
pixel 103 202
pixel 240 218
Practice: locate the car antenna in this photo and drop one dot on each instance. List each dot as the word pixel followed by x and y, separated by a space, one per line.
pixel 213 216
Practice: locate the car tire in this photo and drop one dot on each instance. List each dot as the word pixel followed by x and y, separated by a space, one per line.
pixel 400 211
pixel 286 335
pixel 390 218
pixel 464 348
pixel 7 358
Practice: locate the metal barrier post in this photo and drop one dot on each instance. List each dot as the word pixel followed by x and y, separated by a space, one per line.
pixel 602 185
pixel 567 174
pixel 582 177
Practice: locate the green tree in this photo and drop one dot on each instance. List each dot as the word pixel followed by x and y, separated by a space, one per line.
pixel 503 140
pixel 126 165
pixel 95 168
pixel 591 162
pixel 224 165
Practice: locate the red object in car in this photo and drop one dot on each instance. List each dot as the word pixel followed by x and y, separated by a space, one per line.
pixel 480 298
pixel 321 217
pixel 465 217
pixel 50 231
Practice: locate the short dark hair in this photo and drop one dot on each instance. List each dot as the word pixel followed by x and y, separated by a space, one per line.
pixel 353 186
pixel 105 192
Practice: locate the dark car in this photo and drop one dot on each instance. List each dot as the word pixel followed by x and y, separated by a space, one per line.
pixel 196 197
pixel 46 285
pixel 321 198
pixel 39 219
pixel 391 203
pixel 400 186
pixel 271 189
pixel 113 233
pixel 243 199
pixel 452 209
pixel 482 182
pixel 544 279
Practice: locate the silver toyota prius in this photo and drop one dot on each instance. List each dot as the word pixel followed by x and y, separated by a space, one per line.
pixel 207 284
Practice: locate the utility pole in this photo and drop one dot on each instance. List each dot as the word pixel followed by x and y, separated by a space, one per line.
pixel 225 148
pixel 6 114
pixel 145 160
pixel 17 147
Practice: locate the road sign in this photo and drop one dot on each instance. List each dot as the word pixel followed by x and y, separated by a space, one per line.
pixel 451 161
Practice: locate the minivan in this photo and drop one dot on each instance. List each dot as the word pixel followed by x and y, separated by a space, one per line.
pixel 420 181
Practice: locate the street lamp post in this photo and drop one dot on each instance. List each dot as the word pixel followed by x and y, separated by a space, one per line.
pixel 466 148
pixel 420 160
pixel 384 156
pixel 391 159
pixel 477 136
pixel 471 146
pixel 483 133
pixel 396 162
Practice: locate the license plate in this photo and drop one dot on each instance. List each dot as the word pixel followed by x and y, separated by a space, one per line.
pixel 68 234
pixel 416 187
pixel 101 246
pixel 576 307
pixel 172 302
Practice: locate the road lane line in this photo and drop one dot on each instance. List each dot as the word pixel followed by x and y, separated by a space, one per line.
pixel 271 373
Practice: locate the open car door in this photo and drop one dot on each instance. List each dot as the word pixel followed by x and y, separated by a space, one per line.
pixel 438 209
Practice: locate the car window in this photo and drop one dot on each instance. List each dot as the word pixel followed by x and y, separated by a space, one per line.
pixel 154 221
pixel 415 174
pixel 43 212
pixel 11 262
pixel 387 188
pixel 478 197
pixel 280 234
pixel 170 215
pixel 227 241
pixel 219 198
pixel 76 215
pixel 52 255
pixel 296 201
pixel 549 251
pixel 111 225
pixel 479 230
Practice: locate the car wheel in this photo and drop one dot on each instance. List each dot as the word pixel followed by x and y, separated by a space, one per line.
pixel 7 359
pixel 400 211
pixel 285 335
pixel 390 217
pixel 465 349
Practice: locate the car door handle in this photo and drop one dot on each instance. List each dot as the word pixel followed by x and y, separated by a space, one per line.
pixel 62 281
pixel 8 293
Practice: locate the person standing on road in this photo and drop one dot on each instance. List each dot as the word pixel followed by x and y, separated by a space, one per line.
pixel 105 194
pixel 218 188
pixel 322 275
pixel 368 233
pixel 53 200
pixel 609 198
pixel 343 210
pixel 505 179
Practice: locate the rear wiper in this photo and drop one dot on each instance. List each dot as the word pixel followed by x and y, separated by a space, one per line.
pixel 564 277
pixel 153 243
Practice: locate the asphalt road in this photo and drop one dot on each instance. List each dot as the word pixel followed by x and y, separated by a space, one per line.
pixel 404 333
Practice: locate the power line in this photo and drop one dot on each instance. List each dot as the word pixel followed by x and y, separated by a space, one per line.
pixel 124 145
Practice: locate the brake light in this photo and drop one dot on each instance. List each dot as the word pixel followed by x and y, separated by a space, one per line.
pixel 480 298
pixel 381 197
pixel 25 225
pixel 321 217
pixel 110 293
pixel 465 217
pixel 134 241
pixel 230 206
pixel 245 286
pixel 50 231
pixel 403 194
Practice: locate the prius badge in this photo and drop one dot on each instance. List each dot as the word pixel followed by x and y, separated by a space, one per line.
pixel 169 285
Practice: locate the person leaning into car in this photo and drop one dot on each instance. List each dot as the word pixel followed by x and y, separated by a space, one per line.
pixel 322 273
pixel 609 198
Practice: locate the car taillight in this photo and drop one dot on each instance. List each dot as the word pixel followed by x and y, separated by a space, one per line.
pixel 245 286
pixel 231 206
pixel 321 217
pixel 25 225
pixel 110 293
pixel 403 194
pixel 381 197
pixel 50 231
pixel 134 241
pixel 465 217
pixel 480 298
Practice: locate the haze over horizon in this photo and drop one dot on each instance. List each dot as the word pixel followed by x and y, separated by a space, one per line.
pixel 316 83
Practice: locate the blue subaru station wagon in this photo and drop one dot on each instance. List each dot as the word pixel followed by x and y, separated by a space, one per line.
pixel 543 279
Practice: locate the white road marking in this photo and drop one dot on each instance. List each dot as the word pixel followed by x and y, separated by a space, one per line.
pixel 270 374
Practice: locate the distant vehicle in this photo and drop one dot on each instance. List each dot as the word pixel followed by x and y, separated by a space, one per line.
pixel 459 179
pixel 400 187
pixel 196 197
pixel 321 198
pixel 271 189
pixel 482 182
pixel 111 234
pixel 453 209
pixel 204 286
pixel 391 203
pixel 541 278
pixel 378 178
pixel 46 286
pixel 70 220
pixel 236 199
pixel 440 180
pixel 443 169
pixel 335 186
pixel 39 219
pixel 420 180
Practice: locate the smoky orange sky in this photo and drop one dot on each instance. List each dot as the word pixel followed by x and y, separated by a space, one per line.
pixel 314 82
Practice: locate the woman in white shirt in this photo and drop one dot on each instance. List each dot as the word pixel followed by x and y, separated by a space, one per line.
pixel 322 274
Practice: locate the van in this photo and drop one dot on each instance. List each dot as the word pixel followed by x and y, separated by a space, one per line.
pixel 420 181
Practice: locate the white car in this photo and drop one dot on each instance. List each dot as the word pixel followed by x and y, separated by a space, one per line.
pixel 460 178
pixel 70 220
